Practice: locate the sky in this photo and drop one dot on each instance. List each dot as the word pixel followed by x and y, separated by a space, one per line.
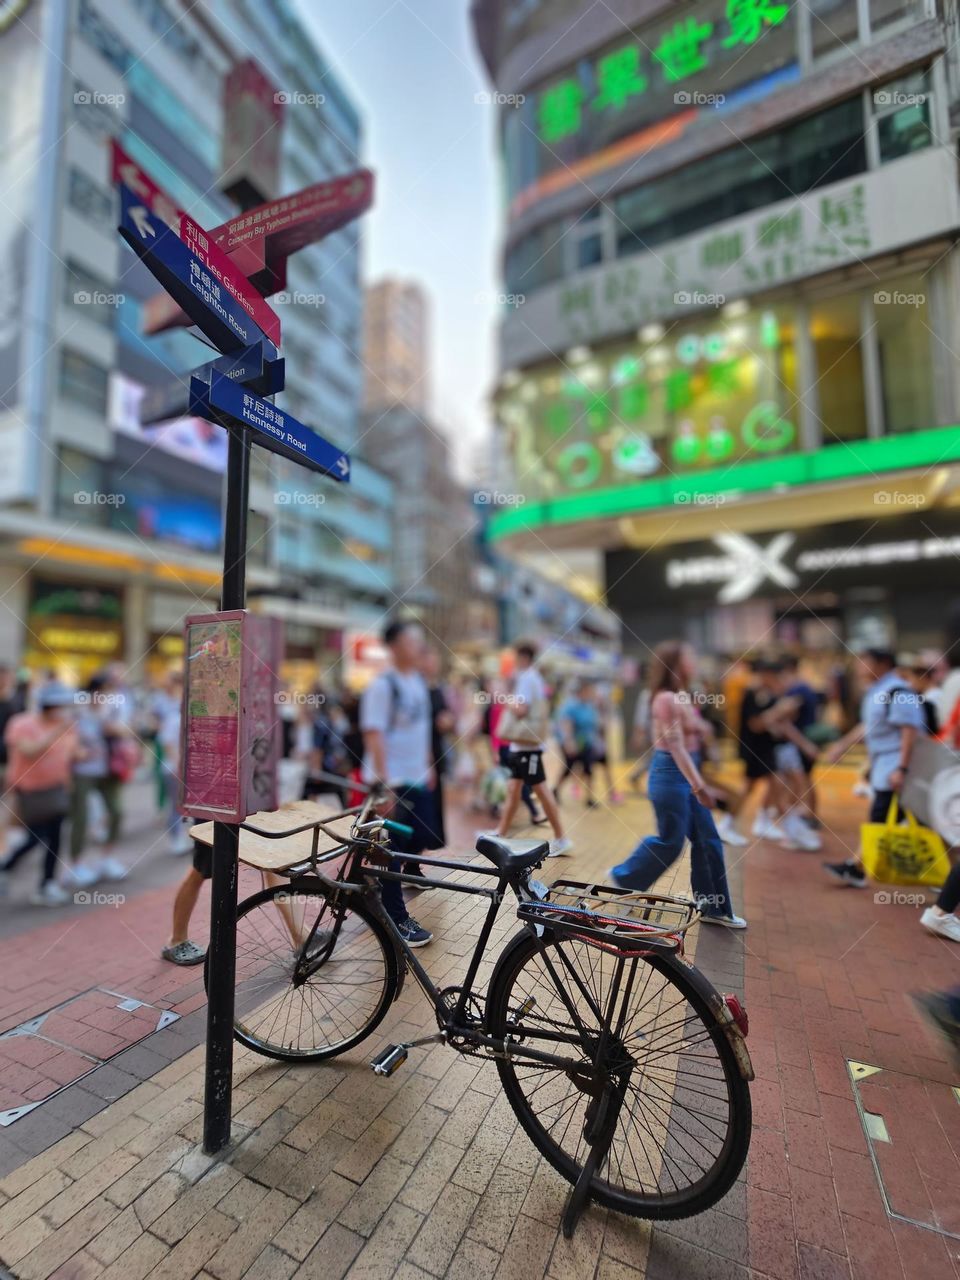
pixel 413 71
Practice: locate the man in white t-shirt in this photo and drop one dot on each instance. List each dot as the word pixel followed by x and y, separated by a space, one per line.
pixel 525 759
pixel 396 720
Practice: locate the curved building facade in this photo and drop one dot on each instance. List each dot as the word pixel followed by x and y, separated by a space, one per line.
pixel 730 276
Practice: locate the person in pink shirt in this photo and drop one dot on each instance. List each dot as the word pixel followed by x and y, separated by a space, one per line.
pixel 41 748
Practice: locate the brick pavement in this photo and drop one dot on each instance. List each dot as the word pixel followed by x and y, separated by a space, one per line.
pixel 429 1175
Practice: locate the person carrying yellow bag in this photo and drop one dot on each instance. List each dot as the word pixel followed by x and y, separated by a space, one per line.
pixel 903 852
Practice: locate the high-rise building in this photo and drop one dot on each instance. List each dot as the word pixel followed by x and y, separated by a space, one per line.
pixel 109 534
pixel 728 356
pixel 396 346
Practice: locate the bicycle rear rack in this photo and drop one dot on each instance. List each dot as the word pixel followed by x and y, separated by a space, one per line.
pixel 622 921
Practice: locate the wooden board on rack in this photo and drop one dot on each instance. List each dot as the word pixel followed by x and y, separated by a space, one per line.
pixel 279 854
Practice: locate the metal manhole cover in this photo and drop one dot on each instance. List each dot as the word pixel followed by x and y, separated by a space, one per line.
pixel 912 1127
pixel 45 1054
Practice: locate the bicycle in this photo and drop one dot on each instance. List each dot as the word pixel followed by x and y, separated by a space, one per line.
pixel 623 1064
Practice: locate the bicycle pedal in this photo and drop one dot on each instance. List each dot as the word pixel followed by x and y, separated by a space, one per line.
pixel 389 1060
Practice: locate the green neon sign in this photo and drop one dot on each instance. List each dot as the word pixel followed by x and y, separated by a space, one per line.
pixel 861 458
pixel 627 72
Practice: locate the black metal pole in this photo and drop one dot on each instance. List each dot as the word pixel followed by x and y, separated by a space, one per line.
pixel 222 952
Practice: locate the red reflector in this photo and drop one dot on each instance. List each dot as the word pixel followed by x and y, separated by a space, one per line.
pixel 738 1013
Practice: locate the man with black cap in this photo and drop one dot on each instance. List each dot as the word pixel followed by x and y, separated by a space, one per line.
pixel 891 719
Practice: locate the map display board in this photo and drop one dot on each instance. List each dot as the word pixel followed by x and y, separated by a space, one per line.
pixel 231 731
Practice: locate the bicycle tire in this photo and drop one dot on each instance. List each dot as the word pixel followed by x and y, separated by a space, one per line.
pixel 522 951
pixel 377 949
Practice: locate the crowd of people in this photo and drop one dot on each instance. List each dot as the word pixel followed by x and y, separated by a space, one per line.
pixel 730 751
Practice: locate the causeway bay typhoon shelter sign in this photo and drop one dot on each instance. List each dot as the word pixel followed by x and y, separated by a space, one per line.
pixel 830 227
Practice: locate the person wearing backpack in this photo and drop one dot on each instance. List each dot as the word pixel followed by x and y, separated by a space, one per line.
pixel 396 720
pixel 891 719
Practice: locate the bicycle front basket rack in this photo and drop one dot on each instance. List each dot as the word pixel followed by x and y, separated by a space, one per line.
pixel 617 920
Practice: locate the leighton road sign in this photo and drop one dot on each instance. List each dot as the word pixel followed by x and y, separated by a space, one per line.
pixel 157 205
pixel 201 293
pixel 223 401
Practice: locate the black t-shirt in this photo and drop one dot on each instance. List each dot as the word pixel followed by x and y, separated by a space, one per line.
pixel 756 744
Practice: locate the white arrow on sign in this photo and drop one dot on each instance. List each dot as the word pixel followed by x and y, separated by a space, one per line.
pixel 343 465
pixel 141 220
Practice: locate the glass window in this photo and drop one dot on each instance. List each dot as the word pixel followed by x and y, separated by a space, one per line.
pixel 89 198
pixel 79 477
pixel 833 25
pixel 904 343
pixel 91 294
pixel 589 251
pixel 901 109
pixel 822 148
pixel 83 381
pixel 835 326
pixel 537 259
pixel 884 13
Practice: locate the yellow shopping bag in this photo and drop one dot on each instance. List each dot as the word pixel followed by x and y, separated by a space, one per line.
pixel 903 852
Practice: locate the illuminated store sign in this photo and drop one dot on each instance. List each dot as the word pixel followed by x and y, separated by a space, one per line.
pixel 626 72
pixel 748 563
pixel 834 226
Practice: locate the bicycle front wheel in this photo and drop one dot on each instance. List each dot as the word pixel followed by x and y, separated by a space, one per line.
pixel 683 1127
pixel 315 973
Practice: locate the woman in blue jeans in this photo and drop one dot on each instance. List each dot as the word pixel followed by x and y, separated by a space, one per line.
pixel 681 799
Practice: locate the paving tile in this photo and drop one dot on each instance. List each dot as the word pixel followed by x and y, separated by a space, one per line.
pixel 437 1241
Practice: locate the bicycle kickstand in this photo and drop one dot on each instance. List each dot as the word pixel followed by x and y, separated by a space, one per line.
pixel 598 1129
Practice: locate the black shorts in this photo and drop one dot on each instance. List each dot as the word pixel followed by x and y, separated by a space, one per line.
pixel 759 766
pixel 879 806
pixel 583 758
pixel 527 766
pixel 203 859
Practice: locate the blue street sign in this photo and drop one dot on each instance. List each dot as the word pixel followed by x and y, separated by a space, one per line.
pixel 223 401
pixel 207 302
pixel 246 367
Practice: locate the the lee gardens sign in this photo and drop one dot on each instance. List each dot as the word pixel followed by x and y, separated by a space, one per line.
pixel 911 200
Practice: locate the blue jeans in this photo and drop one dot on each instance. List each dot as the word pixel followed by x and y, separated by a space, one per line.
pixel 680 817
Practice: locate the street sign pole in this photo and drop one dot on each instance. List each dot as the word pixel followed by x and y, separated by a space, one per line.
pixel 221 970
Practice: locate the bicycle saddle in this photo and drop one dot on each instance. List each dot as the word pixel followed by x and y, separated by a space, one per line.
pixel 512 855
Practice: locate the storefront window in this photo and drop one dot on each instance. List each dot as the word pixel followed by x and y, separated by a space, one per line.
pixel 903 340
pixel 884 13
pixel 835 326
pixel 833 25
pixel 701 395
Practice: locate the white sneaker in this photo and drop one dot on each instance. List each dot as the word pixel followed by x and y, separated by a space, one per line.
pixel 559 847
pixel 728 922
pixel 112 869
pixel 80 876
pixel 946 925
pixel 863 789
pixel 766 829
pixel 799 835
pixel 51 895
pixel 728 833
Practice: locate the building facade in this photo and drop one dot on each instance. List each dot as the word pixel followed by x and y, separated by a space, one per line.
pixel 396 346
pixel 110 533
pixel 728 355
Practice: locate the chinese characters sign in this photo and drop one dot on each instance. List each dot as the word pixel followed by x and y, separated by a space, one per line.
pixel 688 46
pixel 231 733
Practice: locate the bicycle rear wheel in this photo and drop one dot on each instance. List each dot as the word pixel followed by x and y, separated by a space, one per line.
pixel 683 1128
pixel 315 974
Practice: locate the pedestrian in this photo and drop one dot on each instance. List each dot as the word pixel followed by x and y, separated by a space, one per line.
pixel 94 772
pixel 12 702
pixel 806 717
pixel 442 723
pixel 41 748
pixel 891 719
pixel 524 726
pixel 396 721
pixel 681 798
pixel 578 724
pixel 498 779
pixel 757 745
pixel 942 918
pixel 169 722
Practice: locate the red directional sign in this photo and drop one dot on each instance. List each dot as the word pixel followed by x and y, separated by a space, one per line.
pixel 128 173
pixel 260 240
pixel 293 221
